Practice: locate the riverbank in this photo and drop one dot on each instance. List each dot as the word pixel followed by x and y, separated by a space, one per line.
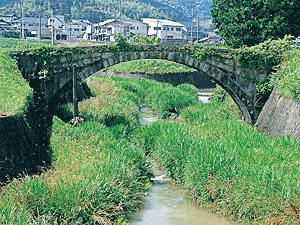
pixel 226 165
pixel 101 168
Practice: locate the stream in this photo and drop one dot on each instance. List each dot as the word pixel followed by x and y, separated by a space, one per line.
pixel 166 204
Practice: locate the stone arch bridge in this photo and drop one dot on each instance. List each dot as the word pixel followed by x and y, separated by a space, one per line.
pixel 239 81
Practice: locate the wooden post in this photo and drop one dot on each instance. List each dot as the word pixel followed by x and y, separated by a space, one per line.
pixel 75 88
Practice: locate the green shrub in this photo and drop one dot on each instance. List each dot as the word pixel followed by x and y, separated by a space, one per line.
pixel 191 89
pixel 169 100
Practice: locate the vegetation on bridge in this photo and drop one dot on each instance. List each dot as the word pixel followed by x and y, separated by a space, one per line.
pixel 265 55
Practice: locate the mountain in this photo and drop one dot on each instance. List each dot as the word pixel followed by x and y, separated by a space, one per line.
pixel 95 10
pixel 201 7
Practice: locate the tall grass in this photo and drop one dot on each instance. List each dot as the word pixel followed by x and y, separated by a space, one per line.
pixel 13 88
pixel 227 166
pixel 101 168
pixel 287 78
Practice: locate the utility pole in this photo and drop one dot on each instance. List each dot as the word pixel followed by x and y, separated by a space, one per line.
pixel 71 28
pixel 192 24
pixel 198 21
pixel 40 32
pixel 120 9
pixel 21 16
pixel 52 28
pixel 156 27
pixel 75 88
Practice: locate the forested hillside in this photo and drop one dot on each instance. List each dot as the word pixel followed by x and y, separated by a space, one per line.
pixel 94 10
pixel 201 7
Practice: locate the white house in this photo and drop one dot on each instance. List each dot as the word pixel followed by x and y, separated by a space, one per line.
pixel 57 24
pixel 164 29
pixel 10 18
pixel 76 28
pixel 31 26
pixel 136 27
pixel 108 29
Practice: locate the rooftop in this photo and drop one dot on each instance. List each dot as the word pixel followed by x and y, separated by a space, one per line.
pixel 163 22
pixel 33 20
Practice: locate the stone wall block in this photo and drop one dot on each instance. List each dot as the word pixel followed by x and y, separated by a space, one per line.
pixel 191 61
pixel 105 63
pixel 121 57
pixel 186 59
pixel 280 116
pixel 171 56
pixel 107 55
pixel 196 63
pixel 62 80
pixel 111 61
pixel 63 59
pixel 126 57
pixel 81 75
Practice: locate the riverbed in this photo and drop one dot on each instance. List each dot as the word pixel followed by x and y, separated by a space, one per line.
pixel 166 203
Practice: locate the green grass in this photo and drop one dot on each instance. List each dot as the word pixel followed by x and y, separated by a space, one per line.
pixel 226 165
pixel 152 66
pixel 287 78
pixel 101 168
pixel 13 88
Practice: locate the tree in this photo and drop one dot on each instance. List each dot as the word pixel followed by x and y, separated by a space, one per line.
pixel 244 22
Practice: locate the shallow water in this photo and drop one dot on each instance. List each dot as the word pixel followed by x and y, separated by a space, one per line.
pixel 166 205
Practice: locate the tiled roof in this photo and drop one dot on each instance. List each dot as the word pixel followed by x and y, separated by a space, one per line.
pixel 163 22
pixel 33 20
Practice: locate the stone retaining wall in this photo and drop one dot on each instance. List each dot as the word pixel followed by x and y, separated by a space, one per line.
pixel 16 147
pixel 280 116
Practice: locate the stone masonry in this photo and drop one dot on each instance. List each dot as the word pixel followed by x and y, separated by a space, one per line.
pixel 239 81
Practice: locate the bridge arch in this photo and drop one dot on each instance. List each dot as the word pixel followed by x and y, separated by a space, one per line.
pixel 239 81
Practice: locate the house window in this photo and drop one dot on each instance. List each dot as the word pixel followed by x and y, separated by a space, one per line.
pixel 164 28
pixel 178 29
pixel 30 25
pixel 170 37
pixel 76 29
pixel 172 28
pixel 131 28
pixel 157 28
pixel 137 28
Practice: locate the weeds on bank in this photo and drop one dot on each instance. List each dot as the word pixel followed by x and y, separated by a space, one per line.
pixel 226 165
pixel 13 88
pixel 98 174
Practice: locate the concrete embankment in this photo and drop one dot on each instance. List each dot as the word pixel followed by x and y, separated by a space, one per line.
pixel 280 116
